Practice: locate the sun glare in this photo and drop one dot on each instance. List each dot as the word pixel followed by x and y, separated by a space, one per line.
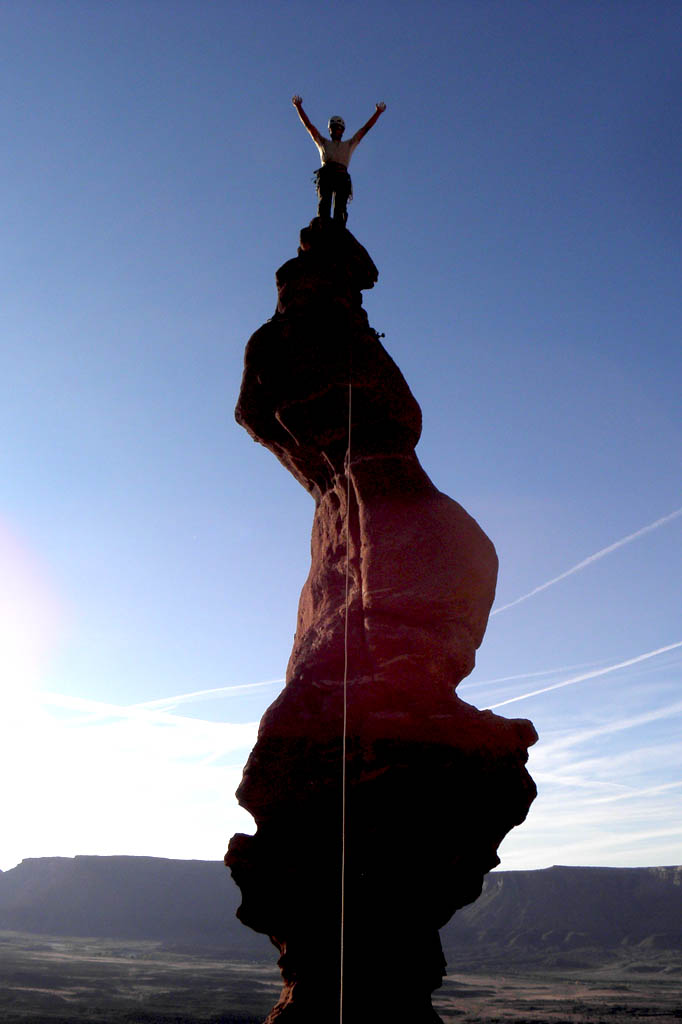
pixel 29 621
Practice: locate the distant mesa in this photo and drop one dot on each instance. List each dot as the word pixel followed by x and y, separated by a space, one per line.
pixel 191 904
pixel 177 902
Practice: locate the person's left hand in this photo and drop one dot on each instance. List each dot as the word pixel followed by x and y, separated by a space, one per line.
pixel 381 107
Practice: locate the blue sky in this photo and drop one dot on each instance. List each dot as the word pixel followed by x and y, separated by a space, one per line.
pixel 520 197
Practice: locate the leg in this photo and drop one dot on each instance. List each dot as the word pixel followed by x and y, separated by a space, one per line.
pixel 342 194
pixel 341 197
pixel 340 211
pixel 324 205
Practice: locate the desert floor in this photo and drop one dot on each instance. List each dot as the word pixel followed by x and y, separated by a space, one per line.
pixel 55 980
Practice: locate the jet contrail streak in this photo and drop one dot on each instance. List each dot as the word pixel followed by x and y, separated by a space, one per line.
pixel 101 711
pixel 634 794
pixel 592 558
pixel 160 710
pixel 183 698
pixel 589 675
pixel 527 675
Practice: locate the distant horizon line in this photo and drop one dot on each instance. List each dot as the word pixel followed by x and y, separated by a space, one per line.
pixel 203 860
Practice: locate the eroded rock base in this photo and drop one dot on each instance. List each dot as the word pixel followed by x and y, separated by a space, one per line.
pixel 424 820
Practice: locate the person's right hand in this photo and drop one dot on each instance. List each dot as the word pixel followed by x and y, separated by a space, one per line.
pixel 296 100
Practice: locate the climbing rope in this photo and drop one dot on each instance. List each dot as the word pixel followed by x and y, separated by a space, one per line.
pixel 344 737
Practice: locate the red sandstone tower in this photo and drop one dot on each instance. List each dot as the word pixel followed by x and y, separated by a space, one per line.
pixel 396 603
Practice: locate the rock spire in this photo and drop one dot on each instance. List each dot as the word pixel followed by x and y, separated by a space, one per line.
pixel 432 784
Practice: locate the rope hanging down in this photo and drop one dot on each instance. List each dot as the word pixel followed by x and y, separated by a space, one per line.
pixel 345 714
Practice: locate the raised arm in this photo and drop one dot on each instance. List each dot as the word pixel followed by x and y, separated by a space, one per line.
pixel 310 127
pixel 361 132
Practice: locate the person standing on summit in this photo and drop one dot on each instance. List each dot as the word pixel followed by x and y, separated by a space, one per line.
pixel 332 178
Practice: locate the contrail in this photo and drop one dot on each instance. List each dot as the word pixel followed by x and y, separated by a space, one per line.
pixel 592 558
pixel 183 698
pixel 589 675
pixel 101 711
pixel 583 735
pixel 160 710
pixel 633 794
pixel 528 675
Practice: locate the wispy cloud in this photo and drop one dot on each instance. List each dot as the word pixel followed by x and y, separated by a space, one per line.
pixel 589 675
pixel 589 843
pixel 596 809
pixel 634 767
pixel 621 724
pixel 592 558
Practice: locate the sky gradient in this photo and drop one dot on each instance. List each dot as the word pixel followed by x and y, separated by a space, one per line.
pixel 520 197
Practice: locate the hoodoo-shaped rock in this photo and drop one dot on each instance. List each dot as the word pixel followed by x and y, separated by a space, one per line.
pixel 396 603
pixel 297 367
